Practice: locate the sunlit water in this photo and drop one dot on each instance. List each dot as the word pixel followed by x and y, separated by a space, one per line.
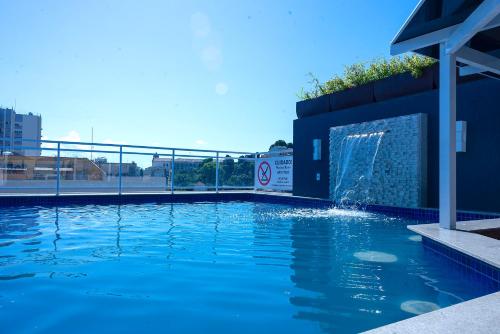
pixel 219 268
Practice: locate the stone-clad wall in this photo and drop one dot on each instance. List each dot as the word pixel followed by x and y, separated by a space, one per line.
pixel 400 167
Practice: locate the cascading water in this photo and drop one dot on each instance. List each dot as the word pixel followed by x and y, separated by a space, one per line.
pixel 355 169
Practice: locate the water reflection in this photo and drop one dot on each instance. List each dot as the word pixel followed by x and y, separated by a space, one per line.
pixel 118 230
pixel 19 223
pixel 334 288
pixel 57 235
pixel 19 234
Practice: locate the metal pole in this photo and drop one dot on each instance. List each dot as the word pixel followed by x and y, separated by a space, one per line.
pixel 58 169
pixel 217 173
pixel 167 172
pixel 447 140
pixel 120 172
pixel 172 176
pixel 255 171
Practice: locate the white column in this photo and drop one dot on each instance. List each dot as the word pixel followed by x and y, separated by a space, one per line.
pixel 447 134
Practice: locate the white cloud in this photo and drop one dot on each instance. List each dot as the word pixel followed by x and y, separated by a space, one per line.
pixel 200 142
pixel 221 88
pixel 73 135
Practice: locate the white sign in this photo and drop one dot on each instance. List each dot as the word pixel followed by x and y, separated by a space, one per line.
pixel 274 173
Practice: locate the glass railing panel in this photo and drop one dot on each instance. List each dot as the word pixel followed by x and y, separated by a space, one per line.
pixel 27 174
pixel 146 170
pixel 236 172
pixel 194 171
pixel 89 168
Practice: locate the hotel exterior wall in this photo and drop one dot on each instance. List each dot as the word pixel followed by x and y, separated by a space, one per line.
pixel 478 103
pixel 400 166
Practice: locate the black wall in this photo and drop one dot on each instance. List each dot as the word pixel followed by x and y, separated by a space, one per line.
pixel 478 169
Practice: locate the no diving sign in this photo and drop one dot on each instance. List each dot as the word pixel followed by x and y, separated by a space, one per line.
pixel 274 173
pixel 264 173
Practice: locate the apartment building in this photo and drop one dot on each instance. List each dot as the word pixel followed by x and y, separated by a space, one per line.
pixel 17 132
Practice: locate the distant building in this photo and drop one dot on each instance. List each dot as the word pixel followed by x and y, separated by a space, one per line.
pixel 162 166
pixel 45 168
pixel 18 131
pixel 277 151
pixel 113 168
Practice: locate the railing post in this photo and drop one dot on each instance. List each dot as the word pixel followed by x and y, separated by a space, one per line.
pixel 255 170
pixel 217 173
pixel 172 175
pixel 58 169
pixel 120 172
pixel 167 173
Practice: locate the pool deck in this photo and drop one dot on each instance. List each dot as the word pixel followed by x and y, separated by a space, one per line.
pixel 480 315
pixel 478 246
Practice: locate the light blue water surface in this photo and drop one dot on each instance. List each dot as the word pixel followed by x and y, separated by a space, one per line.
pixel 236 267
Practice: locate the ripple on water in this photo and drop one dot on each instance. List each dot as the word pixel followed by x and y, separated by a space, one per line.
pixel 416 238
pixel 374 256
pixel 321 213
pixel 418 306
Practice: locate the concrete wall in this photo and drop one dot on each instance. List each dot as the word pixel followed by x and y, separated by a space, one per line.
pixel 478 169
pixel 393 151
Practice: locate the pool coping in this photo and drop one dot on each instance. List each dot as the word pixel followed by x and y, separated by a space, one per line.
pixel 479 315
pixel 475 245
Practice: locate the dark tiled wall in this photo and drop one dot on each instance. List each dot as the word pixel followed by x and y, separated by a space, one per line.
pixel 485 274
pixel 478 103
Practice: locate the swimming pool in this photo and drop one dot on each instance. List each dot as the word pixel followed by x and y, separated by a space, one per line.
pixel 215 267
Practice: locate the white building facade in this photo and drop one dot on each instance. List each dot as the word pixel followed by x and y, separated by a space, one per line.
pixel 19 133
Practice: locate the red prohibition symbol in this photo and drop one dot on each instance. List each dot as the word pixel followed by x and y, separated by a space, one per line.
pixel 264 173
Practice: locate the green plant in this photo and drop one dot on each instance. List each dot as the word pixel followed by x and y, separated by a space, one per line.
pixel 362 73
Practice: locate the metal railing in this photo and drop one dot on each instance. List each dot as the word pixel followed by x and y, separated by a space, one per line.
pixel 11 157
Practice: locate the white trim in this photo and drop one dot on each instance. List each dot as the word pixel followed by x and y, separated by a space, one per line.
pixel 422 41
pixel 474 23
pixel 447 140
pixel 478 60
pixel 408 20
pixel 434 37
pixel 469 70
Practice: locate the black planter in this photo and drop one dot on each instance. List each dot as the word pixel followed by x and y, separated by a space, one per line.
pixel 352 97
pixel 435 75
pixel 312 107
pixel 403 84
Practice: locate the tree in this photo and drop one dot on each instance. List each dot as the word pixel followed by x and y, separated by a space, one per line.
pixel 227 169
pixel 207 171
pixel 281 143
pixel 185 178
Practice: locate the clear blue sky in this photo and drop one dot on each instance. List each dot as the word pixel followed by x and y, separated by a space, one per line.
pixel 203 74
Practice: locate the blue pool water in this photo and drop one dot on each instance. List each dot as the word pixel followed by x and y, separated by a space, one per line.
pixel 235 267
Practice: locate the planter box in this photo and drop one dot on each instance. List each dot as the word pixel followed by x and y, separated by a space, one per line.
pixel 435 75
pixel 352 97
pixel 318 105
pixel 403 84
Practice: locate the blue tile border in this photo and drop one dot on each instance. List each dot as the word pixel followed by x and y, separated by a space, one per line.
pixel 424 215
pixel 103 199
pixel 483 272
pixel 427 215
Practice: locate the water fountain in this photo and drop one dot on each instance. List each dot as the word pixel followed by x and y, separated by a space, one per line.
pixel 356 159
